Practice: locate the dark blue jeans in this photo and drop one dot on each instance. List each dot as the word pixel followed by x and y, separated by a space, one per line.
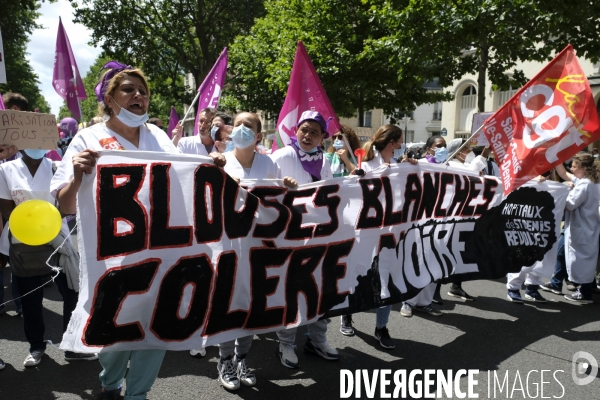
pixel 33 318
pixel 560 269
pixel 14 290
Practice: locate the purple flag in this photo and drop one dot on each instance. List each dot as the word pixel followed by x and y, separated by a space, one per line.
pixel 66 79
pixel 305 93
pixel 210 90
pixel 2 103
pixel 173 120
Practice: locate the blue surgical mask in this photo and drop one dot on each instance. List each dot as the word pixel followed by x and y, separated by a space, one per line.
pixel 229 146
pixel 338 144
pixel 130 119
pixel 213 132
pixel 36 154
pixel 242 136
pixel 441 154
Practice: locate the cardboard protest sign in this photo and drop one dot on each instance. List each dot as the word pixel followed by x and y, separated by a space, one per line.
pixel 227 260
pixel 478 120
pixel 28 130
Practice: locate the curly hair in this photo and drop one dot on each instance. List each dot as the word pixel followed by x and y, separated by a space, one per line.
pixel 115 82
pixel 589 164
pixel 351 136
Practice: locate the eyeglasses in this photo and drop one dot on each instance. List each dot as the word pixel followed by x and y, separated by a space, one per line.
pixel 335 137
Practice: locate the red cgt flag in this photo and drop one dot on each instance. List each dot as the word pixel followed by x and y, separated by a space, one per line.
pixel 550 119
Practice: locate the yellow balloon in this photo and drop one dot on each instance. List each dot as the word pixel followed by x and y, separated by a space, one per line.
pixel 35 222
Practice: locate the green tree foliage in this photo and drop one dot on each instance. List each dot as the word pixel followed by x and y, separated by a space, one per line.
pixel 481 37
pixel 336 34
pixel 167 38
pixel 17 21
pixel 159 106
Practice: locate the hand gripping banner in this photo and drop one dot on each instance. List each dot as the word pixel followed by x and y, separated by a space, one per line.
pixel 228 260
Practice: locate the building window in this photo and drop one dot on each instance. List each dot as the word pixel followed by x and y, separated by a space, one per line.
pixel 503 96
pixel 437 111
pixel 409 136
pixel 469 98
pixel 367 123
pixel 468 106
pixel 411 115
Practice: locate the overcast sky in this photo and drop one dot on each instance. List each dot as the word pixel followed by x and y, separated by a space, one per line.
pixel 42 45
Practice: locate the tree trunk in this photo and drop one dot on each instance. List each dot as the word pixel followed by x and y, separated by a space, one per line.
pixel 483 62
pixel 361 107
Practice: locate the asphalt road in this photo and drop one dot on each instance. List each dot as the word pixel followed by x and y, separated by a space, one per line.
pixel 490 334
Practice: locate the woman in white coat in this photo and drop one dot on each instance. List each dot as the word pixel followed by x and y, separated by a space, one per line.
pixel 436 152
pixel 582 224
pixel 243 163
pixel 380 151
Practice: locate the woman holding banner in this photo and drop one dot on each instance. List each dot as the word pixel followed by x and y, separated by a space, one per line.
pixel 435 153
pixel 243 163
pixel 380 151
pixel 124 98
pixel 303 162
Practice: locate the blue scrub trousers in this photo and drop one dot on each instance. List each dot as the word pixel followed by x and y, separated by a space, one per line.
pixel 143 370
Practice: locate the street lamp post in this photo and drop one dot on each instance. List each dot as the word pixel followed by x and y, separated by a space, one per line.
pixel 406 118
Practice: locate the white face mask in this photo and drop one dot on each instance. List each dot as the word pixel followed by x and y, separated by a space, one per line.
pixel 130 119
pixel 469 158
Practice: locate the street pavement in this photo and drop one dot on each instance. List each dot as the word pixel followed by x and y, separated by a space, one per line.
pixel 491 335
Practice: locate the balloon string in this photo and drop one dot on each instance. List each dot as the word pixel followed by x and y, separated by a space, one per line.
pixel 54 269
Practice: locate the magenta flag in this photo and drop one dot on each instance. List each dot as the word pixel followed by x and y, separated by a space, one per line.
pixel 2 103
pixel 210 90
pixel 66 79
pixel 305 92
pixel 173 120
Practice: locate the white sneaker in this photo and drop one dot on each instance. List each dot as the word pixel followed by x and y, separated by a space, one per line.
pixel 227 374
pixel 321 349
pixel 201 352
pixel 34 358
pixel 287 355
pixel 244 375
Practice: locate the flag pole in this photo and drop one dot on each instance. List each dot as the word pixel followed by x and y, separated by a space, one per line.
pixel 350 150
pixel 467 141
pixel 189 108
pixel 80 112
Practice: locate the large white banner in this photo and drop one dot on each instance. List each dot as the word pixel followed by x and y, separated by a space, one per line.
pixel 175 254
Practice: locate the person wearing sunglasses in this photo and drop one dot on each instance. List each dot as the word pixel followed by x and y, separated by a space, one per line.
pixel 338 153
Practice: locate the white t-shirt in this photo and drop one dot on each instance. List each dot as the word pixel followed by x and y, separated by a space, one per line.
pixel 193 145
pixel 17 184
pixel 262 167
pixel 290 165
pixel 99 137
pixel 375 163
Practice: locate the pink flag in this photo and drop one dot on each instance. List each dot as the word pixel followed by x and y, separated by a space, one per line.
pixel 2 103
pixel 305 92
pixel 173 120
pixel 66 79
pixel 210 90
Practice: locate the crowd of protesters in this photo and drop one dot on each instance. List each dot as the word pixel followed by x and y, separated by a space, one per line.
pixel 234 144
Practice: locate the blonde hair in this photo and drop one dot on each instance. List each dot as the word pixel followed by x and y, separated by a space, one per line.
pixel 115 82
pixel 381 139
pixel 589 164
